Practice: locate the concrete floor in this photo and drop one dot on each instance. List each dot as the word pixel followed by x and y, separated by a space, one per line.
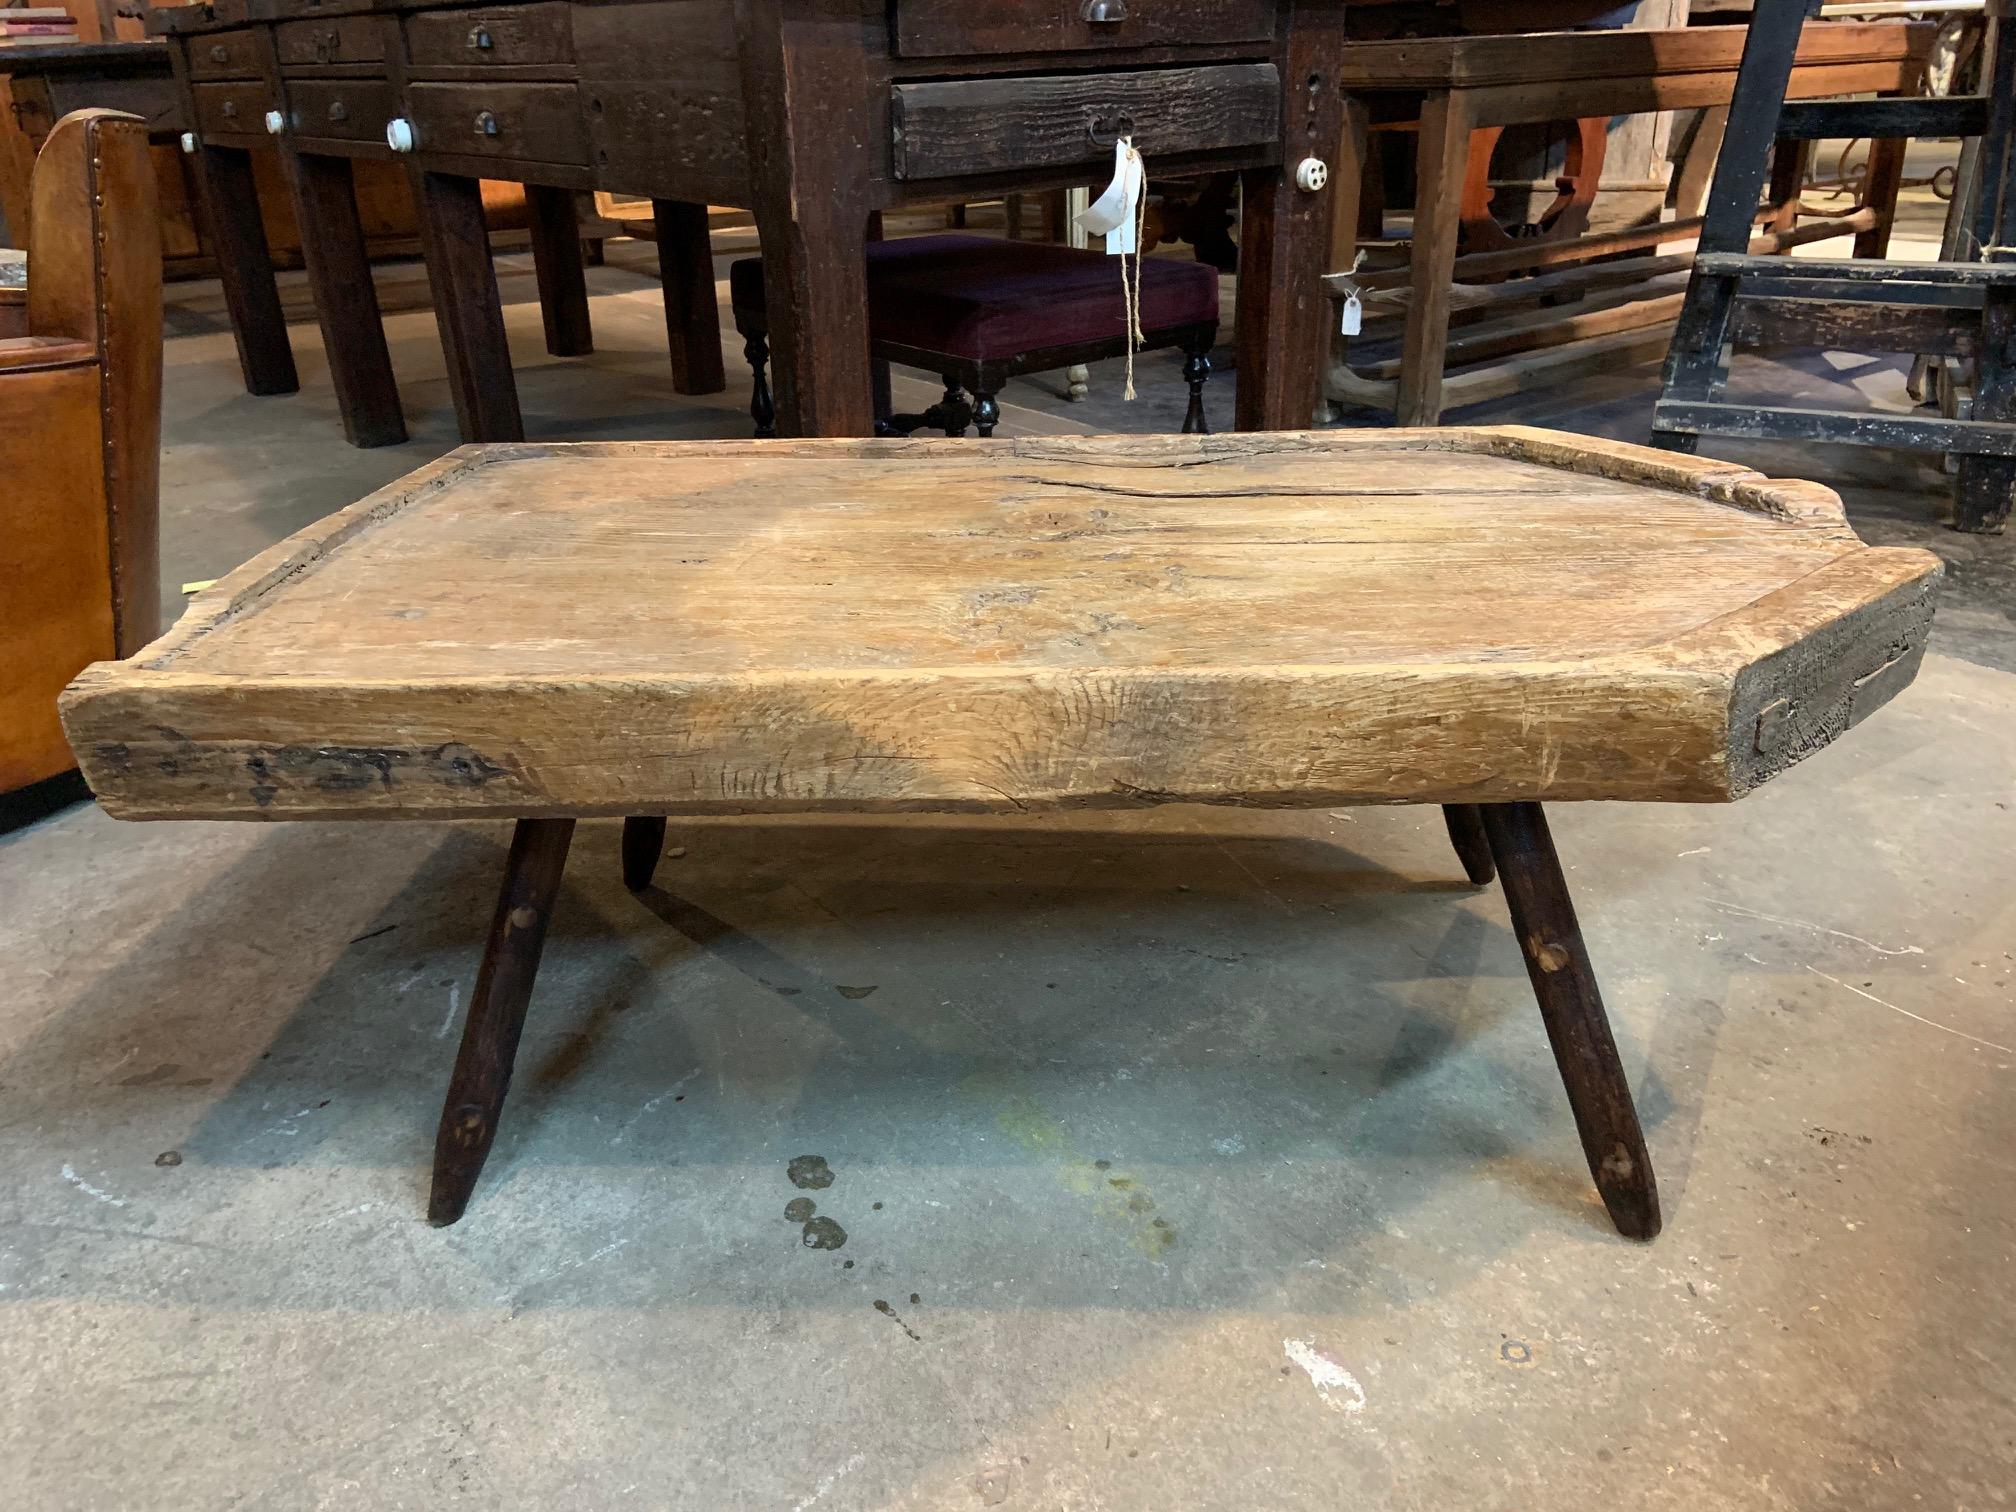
pixel 1190 1159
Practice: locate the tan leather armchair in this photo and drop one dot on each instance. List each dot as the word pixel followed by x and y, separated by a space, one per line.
pixel 80 432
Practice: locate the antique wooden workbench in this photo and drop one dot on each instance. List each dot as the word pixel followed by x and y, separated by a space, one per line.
pixel 1484 619
pixel 816 115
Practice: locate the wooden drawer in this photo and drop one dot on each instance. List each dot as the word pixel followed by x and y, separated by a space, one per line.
pixel 350 110
pixel 966 28
pixel 490 36
pixel 339 39
pixel 1000 125
pixel 536 123
pixel 225 55
pixel 240 106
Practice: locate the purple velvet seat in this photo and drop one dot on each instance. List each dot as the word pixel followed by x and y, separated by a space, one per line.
pixel 978 311
pixel 985 300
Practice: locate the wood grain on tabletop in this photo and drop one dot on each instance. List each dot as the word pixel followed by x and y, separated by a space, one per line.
pixel 1461 615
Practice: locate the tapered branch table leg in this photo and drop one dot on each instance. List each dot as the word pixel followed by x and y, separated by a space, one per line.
pixel 1473 847
pixel 497 1013
pixel 643 843
pixel 1557 961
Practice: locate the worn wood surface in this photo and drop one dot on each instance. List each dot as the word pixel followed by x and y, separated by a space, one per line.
pixel 1007 125
pixel 1449 616
pixel 965 28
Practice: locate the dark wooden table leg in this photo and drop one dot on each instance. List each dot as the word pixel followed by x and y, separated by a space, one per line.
pixel 692 315
pixel 1285 317
pixel 805 94
pixel 497 1013
pixel 346 300
pixel 556 259
pixel 245 269
pixel 456 237
pixel 1473 846
pixel 1557 961
pixel 643 844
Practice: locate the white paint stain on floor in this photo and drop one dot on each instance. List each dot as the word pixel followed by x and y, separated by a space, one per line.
pixel 1332 1381
pixel 89 1190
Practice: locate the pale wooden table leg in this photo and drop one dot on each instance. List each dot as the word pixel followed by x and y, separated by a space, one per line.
pixel 1557 961
pixel 497 1013
pixel 1442 156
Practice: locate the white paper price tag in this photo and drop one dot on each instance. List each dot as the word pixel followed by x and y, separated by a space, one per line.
pixel 1354 314
pixel 1116 213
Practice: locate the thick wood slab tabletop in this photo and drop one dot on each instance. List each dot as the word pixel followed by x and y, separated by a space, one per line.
pixel 1455 615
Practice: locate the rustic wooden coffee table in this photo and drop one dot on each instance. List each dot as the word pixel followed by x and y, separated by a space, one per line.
pixel 1485 619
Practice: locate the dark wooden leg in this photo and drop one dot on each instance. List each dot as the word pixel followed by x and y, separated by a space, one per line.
pixel 806 96
pixel 245 268
pixel 1693 369
pixel 1982 491
pixel 986 414
pixel 1790 163
pixel 1557 961
pixel 1879 193
pixel 815 280
pixel 346 301
pixel 1442 158
pixel 497 1013
pixel 466 307
pixel 1285 315
pixel 1473 847
pixel 762 409
pixel 643 844
pixel 556 258
pixel 952 413
pixel 692 320
pixel 1196 369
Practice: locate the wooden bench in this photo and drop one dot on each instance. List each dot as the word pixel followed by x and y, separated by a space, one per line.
pixel 1484 619
pixel 1461 92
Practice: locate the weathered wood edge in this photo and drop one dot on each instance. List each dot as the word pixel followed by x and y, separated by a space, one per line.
pixel 903 740
pixel 244 587
pixel 1817 657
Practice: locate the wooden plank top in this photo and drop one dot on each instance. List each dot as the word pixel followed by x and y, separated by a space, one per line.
pixel 1446 615
pixel 1555 57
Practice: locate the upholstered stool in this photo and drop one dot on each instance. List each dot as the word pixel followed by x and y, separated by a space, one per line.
pixel 979 311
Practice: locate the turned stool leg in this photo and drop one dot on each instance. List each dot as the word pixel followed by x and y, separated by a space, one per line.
pixel 986 414
pixel 1556 960
pixel 762 408
pixel 1473 847
pixel 497 1013
pixel 951 413
pixel 643 843
pixel 1196 368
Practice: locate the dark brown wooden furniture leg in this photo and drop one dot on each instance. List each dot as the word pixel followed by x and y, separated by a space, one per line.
pixel 497 1013
pixel 805 94
pixel 1285 316
pixel 245 269
pixel 1544 920
pixel 466 306
pixel 692 315
pixel 346 301
pixel 556 259
pixel 1473 846
pixel 643 844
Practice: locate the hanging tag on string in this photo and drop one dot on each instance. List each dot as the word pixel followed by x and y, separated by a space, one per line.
pixel 1115 215
pixel 1354 314
pixel 1354 302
